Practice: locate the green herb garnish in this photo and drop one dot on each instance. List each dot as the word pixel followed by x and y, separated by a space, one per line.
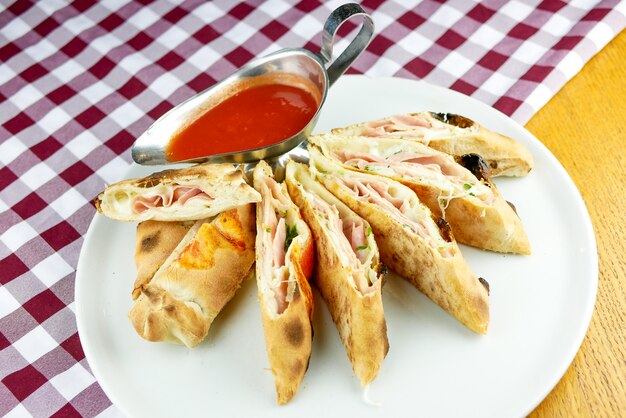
pixel 268 229
pixel 467 186
pixel 362 247
pixel 292 232
pixel 368 231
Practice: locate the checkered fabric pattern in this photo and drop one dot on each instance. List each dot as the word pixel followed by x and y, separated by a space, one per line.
pixel 80 80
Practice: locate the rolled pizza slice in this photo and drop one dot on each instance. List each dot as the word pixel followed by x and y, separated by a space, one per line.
pixel 284 261
pixel 348 271
pixel 470 203
pixel 411 242
pixel 197 280
pixel 453 134
pixel 191 193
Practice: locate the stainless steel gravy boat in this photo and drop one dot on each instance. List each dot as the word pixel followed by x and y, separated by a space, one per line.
pixel 150 148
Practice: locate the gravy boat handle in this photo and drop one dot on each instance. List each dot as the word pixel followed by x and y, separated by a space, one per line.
pixel 337 18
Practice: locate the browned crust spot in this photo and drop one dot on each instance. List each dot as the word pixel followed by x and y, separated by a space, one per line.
pixel 150 242
pixel 233 175
pixel 485 283
pixel 446 231
pixel 383 334
pixel 512 206
pixel 453 119
pixel 477 166
pixel 296 368
pixel 294 332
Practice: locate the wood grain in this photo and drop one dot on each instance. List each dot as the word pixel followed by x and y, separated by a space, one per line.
pixel 584 126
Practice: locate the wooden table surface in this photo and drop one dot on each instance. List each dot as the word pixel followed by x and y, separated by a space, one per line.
pixel 584 126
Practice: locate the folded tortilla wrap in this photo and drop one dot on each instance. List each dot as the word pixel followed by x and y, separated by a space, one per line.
pixel 284 262
pixel 453 134
pixel 191 193
pixel 348 271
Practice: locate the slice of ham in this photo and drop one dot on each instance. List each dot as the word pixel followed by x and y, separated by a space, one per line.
pixel 278 244
pixel 403 126
pixel 373 132
pixel 347 235
pixel 175 194
pixel 409 121
pixel 143 203
pixel 435 163
pixel 355 232
pixel 403 123
pixel 183 194
pixel 383 190
pixel 349 155
pixel 377 193
pixel 274 261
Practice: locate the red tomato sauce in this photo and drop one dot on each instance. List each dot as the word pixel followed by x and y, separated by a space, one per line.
pixel 251 118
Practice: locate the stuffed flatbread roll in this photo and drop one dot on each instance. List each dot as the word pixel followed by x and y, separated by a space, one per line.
pixel 411 243
pixel 284 261
pixel 196 281
pixel 192 193
pixel 348 271
pixel 476 212
pixel 155 241
pixel 453 134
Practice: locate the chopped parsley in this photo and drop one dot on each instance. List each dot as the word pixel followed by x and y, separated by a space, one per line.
pixel 368 168
pixel 362 247
pixel 368 231
pixel 292 232
pixel 468 187
pixel 268 229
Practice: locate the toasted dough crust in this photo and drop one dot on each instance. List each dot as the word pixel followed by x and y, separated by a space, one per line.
pixel 223 183
pixel 494 226
pixel 505 156
pixel 448 281
pixel 154 243
pixel 491 227
pixel 197 280
pixel 288 335
pixel 359 318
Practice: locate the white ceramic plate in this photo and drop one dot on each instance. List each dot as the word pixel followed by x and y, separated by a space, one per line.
pixel 541 306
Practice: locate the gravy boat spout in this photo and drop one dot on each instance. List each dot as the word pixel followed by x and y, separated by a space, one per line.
pixel 296 67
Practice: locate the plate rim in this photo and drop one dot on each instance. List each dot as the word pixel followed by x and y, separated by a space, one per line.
pixel 592 283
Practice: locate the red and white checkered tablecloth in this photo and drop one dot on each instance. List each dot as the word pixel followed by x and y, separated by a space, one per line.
pixel 80 80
